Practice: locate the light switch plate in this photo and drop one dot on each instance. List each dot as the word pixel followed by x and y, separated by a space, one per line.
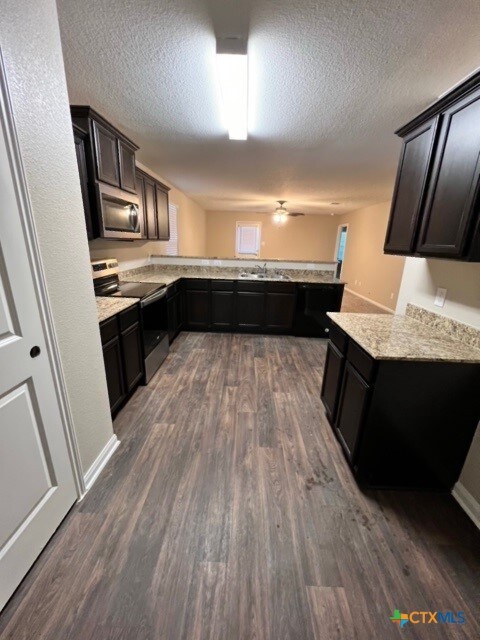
pixel 440 297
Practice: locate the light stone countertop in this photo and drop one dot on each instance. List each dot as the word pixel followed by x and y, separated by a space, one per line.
pixel 387 337
pixel 110 306
pixel 169 275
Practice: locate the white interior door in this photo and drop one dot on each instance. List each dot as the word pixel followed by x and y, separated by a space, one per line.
pixel 36 478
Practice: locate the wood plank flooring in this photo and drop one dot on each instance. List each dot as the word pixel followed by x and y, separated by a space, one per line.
pixel 228 512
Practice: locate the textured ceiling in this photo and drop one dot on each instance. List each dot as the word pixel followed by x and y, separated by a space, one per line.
pixel 330 81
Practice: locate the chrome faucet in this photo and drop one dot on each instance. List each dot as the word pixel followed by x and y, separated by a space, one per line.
pixel 262 270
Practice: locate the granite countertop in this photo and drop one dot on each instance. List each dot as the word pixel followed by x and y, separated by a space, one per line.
pixel 169 275
pixel 162 255
pixel 387 337
pixel 110 306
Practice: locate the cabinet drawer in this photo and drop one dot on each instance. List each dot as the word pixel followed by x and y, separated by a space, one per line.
pixel 281 287
pixel 222 285
pixel 363 363
pixel 109 329
pixel 339 338
pixel 128 317
pixel 251 286
pixel 195 284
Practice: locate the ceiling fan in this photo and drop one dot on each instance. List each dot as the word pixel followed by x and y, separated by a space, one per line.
pixel 281 213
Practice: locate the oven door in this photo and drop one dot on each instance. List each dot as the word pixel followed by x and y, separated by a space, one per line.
pixel 120 215
pixel 153 311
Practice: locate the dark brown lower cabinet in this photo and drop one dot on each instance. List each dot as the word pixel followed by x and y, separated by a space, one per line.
pixel 332 377
pixel 197 306
pixel 402 424
pixel 352 409
pixel 250 310
pixel 122 355
pixel 279 310
pixel 222 309
pixel 112 357
pixel 132 356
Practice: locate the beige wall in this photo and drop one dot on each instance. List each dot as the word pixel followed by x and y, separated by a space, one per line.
pixel 304 238
pixel 30 40
pixel 462 281
pixel 192 229
pixel 366 269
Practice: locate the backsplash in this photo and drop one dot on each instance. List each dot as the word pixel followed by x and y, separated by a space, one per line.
pixel 454 328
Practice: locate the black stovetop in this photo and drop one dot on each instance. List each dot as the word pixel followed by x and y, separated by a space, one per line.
pixel 110 286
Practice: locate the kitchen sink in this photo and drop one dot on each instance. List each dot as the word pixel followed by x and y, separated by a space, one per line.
pixel 264 276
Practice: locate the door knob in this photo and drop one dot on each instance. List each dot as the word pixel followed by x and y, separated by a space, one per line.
pixel 34 352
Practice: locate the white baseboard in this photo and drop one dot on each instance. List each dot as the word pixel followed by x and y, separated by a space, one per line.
pixel 467 502
pixel 377 304
pixel 99 463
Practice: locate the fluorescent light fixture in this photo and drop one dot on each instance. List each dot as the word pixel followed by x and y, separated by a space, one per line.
pixel 233 77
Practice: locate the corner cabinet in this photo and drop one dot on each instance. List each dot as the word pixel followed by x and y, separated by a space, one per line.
pixel 436 202
pixel 154 203
pixel 402 424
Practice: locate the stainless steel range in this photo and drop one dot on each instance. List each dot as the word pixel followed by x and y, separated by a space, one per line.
pixel 153 309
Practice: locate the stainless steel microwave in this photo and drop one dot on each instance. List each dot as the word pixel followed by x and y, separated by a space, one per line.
pixel 119 214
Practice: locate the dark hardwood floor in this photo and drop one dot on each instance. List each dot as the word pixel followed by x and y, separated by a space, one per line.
pixel 228 512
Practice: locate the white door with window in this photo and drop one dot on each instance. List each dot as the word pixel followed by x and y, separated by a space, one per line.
pixel 36 478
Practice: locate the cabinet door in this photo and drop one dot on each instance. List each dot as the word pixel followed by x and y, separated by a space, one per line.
pixel 408 197
pixel 351 410
pixel 127 167
pixel 83 175
pixel 132 356
pixel 279 308
pixel 223 309
pixel 452 196
pixel 141 203
pixel 112 358
pixel 196 303
pixel 163 224
pixel 250 310
pixel 150 209
pixel 332 380
pixel 106 155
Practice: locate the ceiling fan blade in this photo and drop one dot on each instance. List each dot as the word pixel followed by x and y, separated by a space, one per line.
pixel 295 214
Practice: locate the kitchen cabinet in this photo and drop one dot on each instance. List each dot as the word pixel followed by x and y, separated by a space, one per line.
pixel 197 303
pixel 435 208
pixel 122 355
pixel 154 207
pixel 352 408
pixel 161 203
pixel 250 310
pixel 409 193
pixel 109 159
pixel 402 424
pixel 126 154
pixel 279 309
pixel 80 138
pixel 223 304
pixel 141 202
pixel 112 358
pixel 332 377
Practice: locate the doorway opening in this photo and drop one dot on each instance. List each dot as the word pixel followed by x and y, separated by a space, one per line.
pixel 340 251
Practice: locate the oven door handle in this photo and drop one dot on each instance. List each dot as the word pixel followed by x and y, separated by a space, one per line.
pixel 158 295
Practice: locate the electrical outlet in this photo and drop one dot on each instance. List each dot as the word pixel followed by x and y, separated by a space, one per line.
pixel 440 297
pixel 391 296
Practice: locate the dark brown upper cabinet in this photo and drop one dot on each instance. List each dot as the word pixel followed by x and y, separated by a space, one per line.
pixel 106 155
pixel 155 206
pixel 409 193
pixel 80 137
pixel 126 154
pixel 436 203
pixel 109 159
pixel 163 224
